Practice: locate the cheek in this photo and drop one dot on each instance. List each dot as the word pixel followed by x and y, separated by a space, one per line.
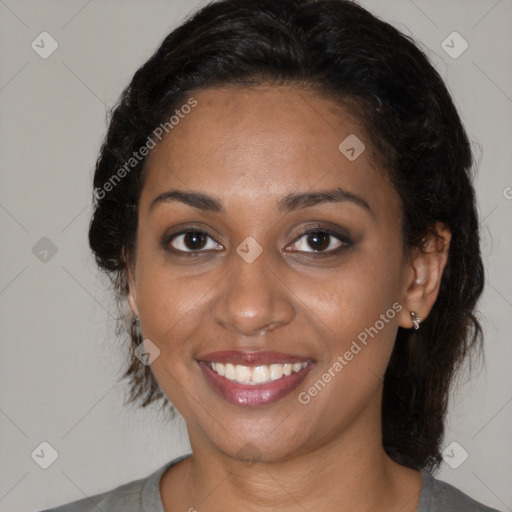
pixel 172 314
pixel 169 303
pixel 355 314
pixel 174 308
pixel 353 296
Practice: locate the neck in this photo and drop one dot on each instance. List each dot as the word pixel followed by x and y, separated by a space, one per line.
pixel 351 470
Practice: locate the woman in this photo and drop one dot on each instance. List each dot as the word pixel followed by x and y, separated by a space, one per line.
pixel 284 199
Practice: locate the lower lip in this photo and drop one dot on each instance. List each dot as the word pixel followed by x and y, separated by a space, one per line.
pixel 250 395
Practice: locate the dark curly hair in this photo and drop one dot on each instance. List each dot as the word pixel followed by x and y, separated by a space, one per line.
pixel 340 50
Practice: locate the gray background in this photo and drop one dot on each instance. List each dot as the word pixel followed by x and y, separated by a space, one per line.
pixel 60 361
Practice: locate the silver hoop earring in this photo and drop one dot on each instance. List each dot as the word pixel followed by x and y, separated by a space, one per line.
pixel 416 321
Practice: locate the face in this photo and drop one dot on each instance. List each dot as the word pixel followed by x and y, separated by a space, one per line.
pixel 275 315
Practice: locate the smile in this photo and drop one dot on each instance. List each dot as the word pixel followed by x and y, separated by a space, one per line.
pixel 254 378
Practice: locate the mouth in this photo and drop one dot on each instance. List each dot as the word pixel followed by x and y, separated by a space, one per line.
pixel 254 378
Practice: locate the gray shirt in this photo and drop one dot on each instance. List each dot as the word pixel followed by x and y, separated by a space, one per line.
pixel 144 496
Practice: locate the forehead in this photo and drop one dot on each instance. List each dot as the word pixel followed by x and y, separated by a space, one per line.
pixel 262 143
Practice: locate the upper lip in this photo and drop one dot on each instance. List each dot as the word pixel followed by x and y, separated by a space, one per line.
pixel 245 358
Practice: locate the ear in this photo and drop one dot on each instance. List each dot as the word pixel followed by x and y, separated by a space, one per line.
pixel 131 292
pixel 423 279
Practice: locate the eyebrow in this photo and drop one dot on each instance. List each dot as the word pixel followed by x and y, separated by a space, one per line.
pixel 291 202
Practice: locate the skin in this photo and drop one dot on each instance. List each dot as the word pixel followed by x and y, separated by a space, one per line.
pixel 249 147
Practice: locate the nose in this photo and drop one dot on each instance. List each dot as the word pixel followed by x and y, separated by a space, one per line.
pixel 253 298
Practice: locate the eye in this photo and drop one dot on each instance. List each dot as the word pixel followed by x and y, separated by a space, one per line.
pixel 317 241
pixel 321 241
pixel 191 241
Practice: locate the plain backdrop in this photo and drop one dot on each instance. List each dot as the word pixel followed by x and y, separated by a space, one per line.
pixel 60 360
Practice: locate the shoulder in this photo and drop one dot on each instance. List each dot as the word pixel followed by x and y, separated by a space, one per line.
pixel 126 498
pixel 135 496
pixel 439 496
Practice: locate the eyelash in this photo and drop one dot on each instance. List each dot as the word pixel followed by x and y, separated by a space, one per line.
pixel 346 243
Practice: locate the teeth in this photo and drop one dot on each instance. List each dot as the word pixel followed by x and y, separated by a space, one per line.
pixel 260 374
pixel 230 372
pixel 219 368
pixel 242 373
pixel 256 374
pixel 276 371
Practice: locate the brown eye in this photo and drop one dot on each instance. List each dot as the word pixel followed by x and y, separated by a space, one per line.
pixel 192 241
pixel 321 241
pixel 318 241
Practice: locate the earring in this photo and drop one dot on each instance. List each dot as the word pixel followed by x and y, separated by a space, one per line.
pixel 416 321
pixel 136 330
